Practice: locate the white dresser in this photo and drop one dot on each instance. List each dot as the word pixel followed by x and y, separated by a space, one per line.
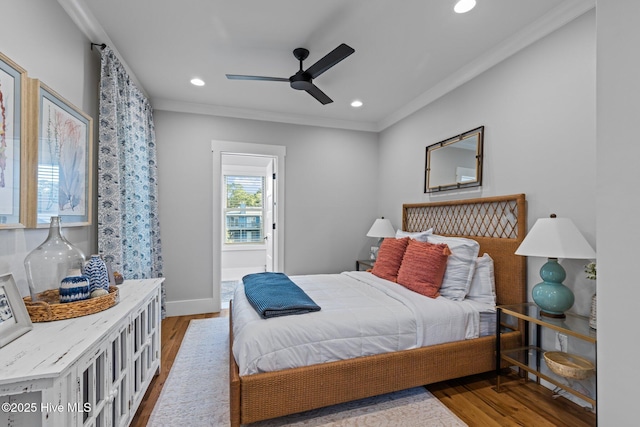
pixel 88 371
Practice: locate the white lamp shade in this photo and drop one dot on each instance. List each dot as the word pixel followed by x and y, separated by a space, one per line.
pixel 556 238
pixel 381 228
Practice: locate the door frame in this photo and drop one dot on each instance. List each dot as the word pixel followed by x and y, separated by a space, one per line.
pixel 219 147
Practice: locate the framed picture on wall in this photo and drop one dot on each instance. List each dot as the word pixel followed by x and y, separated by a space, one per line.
pixel 13 89
pixel 62 167
pixel 14 318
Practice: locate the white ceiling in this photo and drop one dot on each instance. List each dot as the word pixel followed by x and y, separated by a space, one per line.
pixel 407 53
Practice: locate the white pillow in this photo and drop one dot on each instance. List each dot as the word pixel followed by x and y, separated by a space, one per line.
pixel 483 285
pixel 420 236
pixel 460 265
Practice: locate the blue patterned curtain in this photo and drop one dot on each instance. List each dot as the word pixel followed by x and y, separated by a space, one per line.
pixel 128 225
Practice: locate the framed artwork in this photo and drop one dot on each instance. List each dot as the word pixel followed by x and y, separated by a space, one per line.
pixel 13 90
pixel 14 318
pixel 62 168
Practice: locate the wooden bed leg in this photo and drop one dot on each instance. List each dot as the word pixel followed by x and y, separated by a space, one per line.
pixel 234 404
pixel 234 379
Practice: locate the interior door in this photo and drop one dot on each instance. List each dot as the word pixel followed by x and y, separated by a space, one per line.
pixel 270 234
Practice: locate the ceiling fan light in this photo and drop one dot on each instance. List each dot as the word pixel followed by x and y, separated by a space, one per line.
pixel 197 82
pixel 464 6
pixel 356 103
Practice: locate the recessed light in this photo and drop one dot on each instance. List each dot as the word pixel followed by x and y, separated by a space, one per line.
pixel 464 6
pixel 197 82
pixel 356 103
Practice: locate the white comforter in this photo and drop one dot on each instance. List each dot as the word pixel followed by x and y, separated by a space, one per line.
pixel 361 315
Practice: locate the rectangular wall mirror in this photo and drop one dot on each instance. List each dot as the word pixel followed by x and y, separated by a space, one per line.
pixel 455 162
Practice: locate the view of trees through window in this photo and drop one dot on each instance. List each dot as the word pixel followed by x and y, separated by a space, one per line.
pixel 243 209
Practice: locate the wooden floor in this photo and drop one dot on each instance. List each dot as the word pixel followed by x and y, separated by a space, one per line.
pixel 473 399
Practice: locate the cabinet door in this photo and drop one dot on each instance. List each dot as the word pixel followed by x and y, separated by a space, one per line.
pixel 93 391
pixel 103 382
pixel 146 351
pixel 118 382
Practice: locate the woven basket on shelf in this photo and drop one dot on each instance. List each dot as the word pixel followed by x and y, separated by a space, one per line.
pixel 48 307
pixel 569 365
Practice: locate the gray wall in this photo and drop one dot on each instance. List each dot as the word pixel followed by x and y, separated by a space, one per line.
pixel 40 37
pixel 538 109
pixel 618 202
pixel 330 191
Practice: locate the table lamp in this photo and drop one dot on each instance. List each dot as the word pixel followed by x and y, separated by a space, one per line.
pixel 381 228
pixel 554 238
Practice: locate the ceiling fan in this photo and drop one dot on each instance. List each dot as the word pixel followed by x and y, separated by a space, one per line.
pixel 303 79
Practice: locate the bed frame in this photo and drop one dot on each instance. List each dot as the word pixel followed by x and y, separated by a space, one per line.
pixel 499 225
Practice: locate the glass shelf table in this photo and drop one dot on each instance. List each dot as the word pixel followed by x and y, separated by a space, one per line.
pixel 572 325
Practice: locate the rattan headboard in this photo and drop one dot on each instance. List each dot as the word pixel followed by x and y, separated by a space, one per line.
pixel 497 223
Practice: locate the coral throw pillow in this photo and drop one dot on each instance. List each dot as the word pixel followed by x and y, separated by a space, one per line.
pixel 423 267
pixel 389 258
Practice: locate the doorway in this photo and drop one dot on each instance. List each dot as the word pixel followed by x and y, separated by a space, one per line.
pixel 247 218
pixel 248 184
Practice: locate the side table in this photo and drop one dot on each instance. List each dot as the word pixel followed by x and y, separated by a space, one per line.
pixel 366 263
pixel 573 325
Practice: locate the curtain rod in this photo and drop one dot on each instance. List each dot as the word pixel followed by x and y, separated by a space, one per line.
pixel 102 45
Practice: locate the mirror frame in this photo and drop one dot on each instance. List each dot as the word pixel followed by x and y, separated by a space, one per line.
pixel 479 131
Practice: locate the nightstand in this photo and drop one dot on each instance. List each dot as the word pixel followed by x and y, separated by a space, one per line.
pixel 572 326
pixel 365 263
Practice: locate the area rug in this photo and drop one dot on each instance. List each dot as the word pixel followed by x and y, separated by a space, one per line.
pixel 196 393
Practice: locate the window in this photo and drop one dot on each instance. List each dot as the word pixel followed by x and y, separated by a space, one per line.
pixel 244 209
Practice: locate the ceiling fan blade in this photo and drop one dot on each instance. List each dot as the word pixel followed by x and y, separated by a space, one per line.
pixel 329 60
pixel 263 78
pixel 319 95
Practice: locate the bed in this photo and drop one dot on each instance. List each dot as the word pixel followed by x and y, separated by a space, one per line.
pixel 498 224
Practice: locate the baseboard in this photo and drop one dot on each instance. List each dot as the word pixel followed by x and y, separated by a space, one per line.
pixel 194 306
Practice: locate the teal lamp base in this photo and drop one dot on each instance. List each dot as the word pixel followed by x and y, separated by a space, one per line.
pixel 551 295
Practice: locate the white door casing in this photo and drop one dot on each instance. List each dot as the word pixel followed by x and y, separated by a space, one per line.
pixel 219 148
pixel 270 206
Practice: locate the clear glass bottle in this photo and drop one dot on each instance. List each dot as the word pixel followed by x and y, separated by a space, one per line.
pixel 49 263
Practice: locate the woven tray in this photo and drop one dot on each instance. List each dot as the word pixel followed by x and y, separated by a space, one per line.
pixel 49 307
pixel 569 365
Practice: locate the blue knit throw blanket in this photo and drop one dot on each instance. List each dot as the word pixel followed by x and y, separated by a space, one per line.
pixel 274 295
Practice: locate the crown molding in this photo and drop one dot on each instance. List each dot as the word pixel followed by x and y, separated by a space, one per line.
pixel 268 116
pixel 86 21
pixel 555 19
